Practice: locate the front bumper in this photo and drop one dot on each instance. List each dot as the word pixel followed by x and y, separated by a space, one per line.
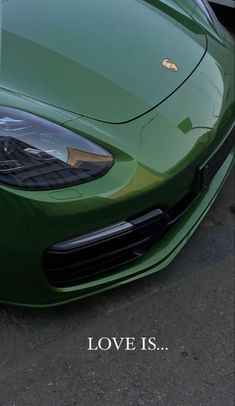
pixel 27 284
pixel 103 252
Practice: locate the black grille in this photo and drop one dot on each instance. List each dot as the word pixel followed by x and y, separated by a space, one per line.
pixel 85 263
pixel 217 160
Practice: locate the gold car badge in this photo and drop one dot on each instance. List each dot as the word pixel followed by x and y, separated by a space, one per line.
pixel 168 64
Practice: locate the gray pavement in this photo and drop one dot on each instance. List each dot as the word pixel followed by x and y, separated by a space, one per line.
pixel 188 307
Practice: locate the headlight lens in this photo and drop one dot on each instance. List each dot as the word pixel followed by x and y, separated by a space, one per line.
pixel 209 13
pixel 36 154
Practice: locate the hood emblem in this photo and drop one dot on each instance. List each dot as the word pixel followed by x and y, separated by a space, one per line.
pixel 168 64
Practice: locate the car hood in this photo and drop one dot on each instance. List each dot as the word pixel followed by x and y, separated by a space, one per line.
pixel 100 59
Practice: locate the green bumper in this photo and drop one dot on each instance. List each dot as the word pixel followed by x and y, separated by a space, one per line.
pixel 23 281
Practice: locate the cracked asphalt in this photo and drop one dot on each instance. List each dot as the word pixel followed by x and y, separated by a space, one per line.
pixel 188 307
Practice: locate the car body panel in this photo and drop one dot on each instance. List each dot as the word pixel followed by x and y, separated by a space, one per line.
pixel 114 73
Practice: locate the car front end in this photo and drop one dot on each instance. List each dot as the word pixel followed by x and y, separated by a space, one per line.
pixel 144 171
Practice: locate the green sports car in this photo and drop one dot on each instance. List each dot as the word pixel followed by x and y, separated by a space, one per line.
pixel 116 135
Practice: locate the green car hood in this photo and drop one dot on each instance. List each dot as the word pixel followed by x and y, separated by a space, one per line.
pixel 100 59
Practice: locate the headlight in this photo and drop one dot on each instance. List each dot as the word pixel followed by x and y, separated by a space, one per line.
pixel 209 13
pixel 36 154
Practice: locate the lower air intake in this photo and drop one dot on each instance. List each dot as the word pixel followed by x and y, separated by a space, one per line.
pixel 99 253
